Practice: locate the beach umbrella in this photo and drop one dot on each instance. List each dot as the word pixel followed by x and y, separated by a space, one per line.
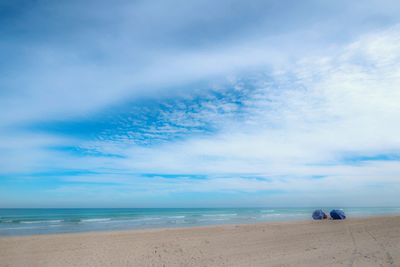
pixel 318 215
pixel 338 215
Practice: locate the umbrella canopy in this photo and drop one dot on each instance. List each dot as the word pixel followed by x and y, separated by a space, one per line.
pixel 318 215
pixel 338 215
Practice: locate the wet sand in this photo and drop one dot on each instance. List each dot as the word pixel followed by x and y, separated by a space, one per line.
pixel 354 242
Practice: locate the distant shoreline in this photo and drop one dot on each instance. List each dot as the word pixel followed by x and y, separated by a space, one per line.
pixel 200 227
pixel 54 221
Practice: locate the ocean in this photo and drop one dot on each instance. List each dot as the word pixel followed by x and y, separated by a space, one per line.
pixel 51 221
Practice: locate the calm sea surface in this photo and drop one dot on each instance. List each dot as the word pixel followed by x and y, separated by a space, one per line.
pixel 46 221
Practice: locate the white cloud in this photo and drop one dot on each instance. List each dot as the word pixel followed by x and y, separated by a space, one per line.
pixel 339 107
pixel 319 107
pixel 79 59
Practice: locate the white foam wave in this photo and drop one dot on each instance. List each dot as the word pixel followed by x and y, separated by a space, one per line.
pixel 144 219
pixel 267 211
pixel 271 215
pixel 176 217
pixel 19 228
pixel 44 221
pixel 213 219
pixel 96 220
pixel 220 215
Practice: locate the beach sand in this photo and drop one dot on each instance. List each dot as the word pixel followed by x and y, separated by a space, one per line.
pixel 354 242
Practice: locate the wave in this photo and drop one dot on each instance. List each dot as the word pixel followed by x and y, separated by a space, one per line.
pixel 72 220
pixel 176 217
pixel 267 211
pixel 143 219
pixel 29 221
pixel 213 219
pixel 96 220
pixel 269 215
pixel 19 228
pixel 43 221
pixel 220 215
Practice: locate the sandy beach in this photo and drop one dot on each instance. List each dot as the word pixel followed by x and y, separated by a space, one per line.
pixel 354 242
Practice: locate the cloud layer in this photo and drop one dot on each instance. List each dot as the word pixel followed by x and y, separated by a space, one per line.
pixel 156 108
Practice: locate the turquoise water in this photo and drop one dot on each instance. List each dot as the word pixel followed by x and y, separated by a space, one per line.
pixel 47 221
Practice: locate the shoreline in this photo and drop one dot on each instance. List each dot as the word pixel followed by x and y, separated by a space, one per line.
pixel 183 227
pixel 27 222
pixel 360 241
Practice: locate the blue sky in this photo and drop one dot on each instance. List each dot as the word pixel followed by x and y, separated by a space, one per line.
pixel 199 103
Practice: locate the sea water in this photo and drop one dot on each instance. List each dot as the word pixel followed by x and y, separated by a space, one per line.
pixel 47 221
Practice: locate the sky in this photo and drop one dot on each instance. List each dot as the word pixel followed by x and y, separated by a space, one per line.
pixel 199 103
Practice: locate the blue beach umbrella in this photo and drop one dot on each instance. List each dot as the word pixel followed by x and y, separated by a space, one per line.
pixel 318 215
pixel 338 215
